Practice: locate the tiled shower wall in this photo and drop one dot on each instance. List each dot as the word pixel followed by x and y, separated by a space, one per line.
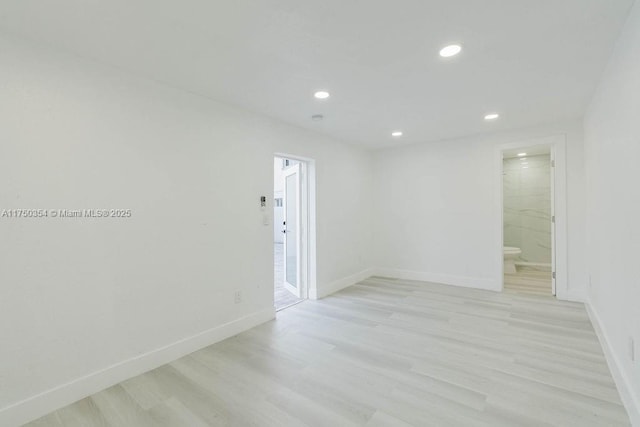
pixel 527 207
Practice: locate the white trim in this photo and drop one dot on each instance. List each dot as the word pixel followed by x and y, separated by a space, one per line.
pixel 627 395
pixel 534 264
pixel 559 147
pixel 338 285
pixel 575 296
pixel 446 279
pixel 43 403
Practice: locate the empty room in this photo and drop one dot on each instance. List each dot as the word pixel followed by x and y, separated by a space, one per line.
pixel 339 213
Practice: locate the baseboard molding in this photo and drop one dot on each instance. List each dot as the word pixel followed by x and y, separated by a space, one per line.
pixel 340 284
pixel 629 399
pixel 534 265
pixel 41 404
pixel 574 296
pixel 423 276
pixel 462 281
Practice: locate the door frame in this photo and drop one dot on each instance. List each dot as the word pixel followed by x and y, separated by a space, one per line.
pixel 307 226
pixel 558 146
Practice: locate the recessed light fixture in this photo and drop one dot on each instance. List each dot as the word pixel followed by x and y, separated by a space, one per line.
pixel 321 94
pixel 522 154
pixel 451 50
pixel 396 133
pixel 524 163
pixel 491 116
pixel 525 167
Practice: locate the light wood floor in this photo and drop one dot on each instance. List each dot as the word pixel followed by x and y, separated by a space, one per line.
pixel 381 353
pixel 528 282
pixel 282 297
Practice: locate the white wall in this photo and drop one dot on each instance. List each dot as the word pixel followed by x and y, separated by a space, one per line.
pixel 83 295
pixel 437 208
pixel 612 141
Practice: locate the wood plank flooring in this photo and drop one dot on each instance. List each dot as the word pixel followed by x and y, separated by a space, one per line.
pixel 528 282
pixel 282 297
pixel 383 352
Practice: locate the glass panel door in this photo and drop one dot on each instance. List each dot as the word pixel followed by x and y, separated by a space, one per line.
pixel 292 229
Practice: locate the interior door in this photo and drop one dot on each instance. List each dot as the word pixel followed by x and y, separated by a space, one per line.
pixel 292 230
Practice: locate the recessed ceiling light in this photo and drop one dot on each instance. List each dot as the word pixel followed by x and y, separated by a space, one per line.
pixel 451 50
pixel 396 133
pixel 491 116
pixel 321 94
pixel 522 154
pixel 524 163
pixel 525 167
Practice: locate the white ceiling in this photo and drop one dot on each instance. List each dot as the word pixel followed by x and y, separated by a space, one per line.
pixel 532 61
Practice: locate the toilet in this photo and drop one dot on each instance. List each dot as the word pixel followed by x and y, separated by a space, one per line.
pixel 510 256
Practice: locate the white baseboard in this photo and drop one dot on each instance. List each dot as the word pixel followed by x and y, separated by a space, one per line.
pixel 41 404
pixel 462 281
pixel 629 399
pixel 467 282
pixel 539 265
pixel 340 284
pixel 533 264
pixel 570 295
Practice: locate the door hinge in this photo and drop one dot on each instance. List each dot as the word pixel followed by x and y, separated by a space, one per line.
pixel 553 274
pixel 553 219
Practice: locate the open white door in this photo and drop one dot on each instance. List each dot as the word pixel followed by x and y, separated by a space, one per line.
pixel 292 235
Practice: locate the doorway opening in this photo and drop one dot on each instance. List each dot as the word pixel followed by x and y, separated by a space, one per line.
pixel 528 220
pixel 292 231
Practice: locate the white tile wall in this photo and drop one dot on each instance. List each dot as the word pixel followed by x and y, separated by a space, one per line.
pixel 527 207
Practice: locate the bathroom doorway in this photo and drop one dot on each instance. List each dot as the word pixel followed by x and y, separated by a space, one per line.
pixel 533 217
pixel 528 220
